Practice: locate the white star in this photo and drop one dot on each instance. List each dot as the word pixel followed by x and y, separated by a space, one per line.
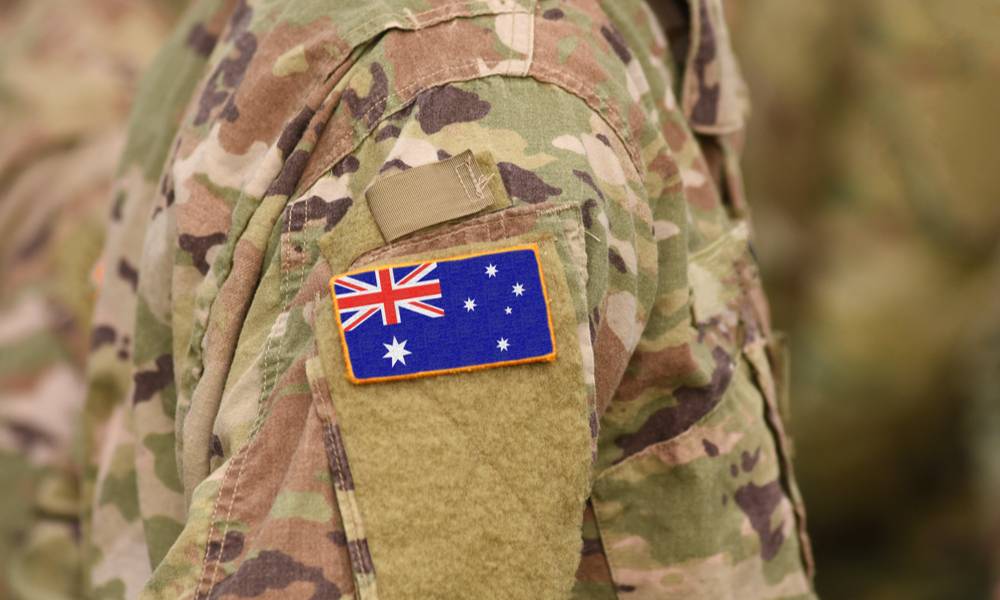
pixel 518 290
pixel 491 270
pixel 503 344
pixel 507 310
pixel 470 304
pixel 396 351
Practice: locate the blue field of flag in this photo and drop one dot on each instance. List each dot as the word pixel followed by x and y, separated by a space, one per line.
pixel 438 316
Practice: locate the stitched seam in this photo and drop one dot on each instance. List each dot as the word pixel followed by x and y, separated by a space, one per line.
pixel 356 525
pixel 269 380
pixel 338 152
pixel 578 88
pixel 414 17
pixel 469 196
pixel 269 365
pixel 355 514
pixel 411 18
pixel 567 82
pixel 211 522
pixel 268 390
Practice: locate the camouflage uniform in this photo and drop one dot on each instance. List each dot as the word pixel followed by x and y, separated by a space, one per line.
pixel 227 454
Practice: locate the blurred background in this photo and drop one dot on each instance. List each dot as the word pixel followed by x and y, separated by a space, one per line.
pixel 873 165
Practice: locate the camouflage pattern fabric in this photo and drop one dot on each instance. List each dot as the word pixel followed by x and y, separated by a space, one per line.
pixel 58 149
pixel 219 437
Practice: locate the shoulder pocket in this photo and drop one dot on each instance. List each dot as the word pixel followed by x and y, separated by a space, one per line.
pixel 471 483
pixel 712 510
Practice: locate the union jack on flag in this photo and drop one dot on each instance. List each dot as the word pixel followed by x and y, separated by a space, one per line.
pixel 393 289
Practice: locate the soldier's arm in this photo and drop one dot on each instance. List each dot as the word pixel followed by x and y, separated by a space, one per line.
pixel 275 450
pixel 427 470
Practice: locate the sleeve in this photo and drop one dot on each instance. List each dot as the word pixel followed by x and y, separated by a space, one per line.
pixel 471 474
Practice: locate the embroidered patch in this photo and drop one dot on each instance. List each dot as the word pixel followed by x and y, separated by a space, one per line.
pixel 456 314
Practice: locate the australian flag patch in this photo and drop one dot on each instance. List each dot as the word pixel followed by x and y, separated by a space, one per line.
pixel 455 314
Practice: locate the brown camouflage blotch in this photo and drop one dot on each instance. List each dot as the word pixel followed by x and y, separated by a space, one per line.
pixel 102 335
pixel 553 14
pixel 274 570
pixel 706 108
pixel 201 40
pixel 278 107
pixel 442 106
pixel 198 247
pixel 692 404
pixel 293 130
pixel 149 383
pixel 524 185
pixel 227 75
pixel 333 443
pixel 26 437
pixel 290 173
pixel 316 208
pixel 616 42
pixel 587 212
pixel 35 243
pixel 228 550
pixel 128 273
pixel 593 565
pixel 617 261
pixel 758 503
pixel 395 164
pixel 348 164
pixel 587 179
pixel 386 133
pixel 749 461
pixel 361 556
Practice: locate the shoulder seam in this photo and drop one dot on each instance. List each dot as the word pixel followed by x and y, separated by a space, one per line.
pixel 573 86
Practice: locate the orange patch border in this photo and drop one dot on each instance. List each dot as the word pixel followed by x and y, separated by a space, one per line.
pixel 551 356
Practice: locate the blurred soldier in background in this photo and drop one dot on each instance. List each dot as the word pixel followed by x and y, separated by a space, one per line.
pixel 67 75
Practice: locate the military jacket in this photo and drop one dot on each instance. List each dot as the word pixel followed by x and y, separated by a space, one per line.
pixel 278 152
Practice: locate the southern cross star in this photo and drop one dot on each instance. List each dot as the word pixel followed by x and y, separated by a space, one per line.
pixel 396 351
pixel 518 289
pixel 503 344
pixel 507 310
pixel 470 304
pixel 491 270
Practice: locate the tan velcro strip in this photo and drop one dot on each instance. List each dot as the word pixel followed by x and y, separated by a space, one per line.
pixel 430 194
